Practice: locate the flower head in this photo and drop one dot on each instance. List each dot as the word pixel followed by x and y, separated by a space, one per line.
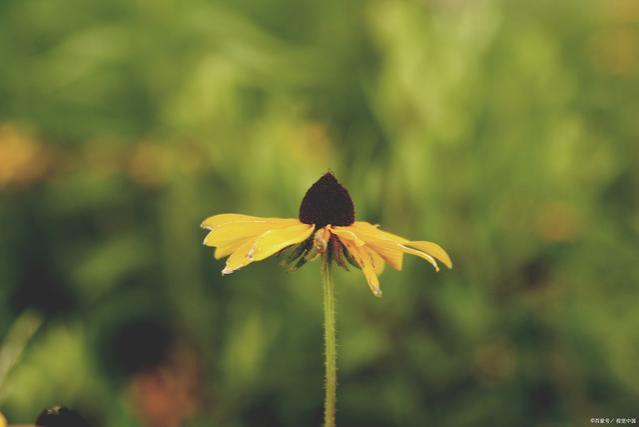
pixel 60 416
pixel 326 227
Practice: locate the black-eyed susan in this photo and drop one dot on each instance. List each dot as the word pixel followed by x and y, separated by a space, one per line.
pixel 326 225
pixel 326 228
pixel 60 416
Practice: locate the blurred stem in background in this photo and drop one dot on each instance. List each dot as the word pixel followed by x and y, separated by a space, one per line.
pixel 21 332
pixel 329 342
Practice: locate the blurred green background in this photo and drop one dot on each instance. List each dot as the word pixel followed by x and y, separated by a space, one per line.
pixel 506 131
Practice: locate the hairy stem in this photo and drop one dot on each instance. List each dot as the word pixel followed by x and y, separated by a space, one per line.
pixel 329 343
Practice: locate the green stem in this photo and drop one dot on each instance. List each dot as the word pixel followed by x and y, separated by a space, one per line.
pixel 329 343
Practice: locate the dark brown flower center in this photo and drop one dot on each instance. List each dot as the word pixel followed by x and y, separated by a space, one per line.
pixel 327 202
pixel 60 417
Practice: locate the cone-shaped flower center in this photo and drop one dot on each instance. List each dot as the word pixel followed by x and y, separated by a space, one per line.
pixel 60 416
pixel 327 202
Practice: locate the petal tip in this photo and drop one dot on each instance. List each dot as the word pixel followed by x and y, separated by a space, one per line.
pixel 205 226
pixel 446 261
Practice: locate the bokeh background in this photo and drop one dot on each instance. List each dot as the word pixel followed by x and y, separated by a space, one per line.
pixel 505 130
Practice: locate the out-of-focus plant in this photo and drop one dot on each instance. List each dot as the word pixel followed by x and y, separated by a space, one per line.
pixel 505 129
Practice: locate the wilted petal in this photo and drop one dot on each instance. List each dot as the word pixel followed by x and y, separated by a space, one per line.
pixel 422 255
pixel 376 260
pixel 228 248
pixel 391 246
pixel 240 258
pixel 433 249
pixel 391 252
pixel 380 242
pixel 363 258
pixel 345 233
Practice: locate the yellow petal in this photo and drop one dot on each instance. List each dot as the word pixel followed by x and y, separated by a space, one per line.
pixel 227 249
pixel 239 258
pixel 389 250
pixel 222 219
pixel 274 241
pixel 217 220
pixel 433 249
pixel 386 241
pixel 392 255
pixel 422 255
pixel 265 245
pixel 228 232
pixel 345 233
pixel 362 256
pixel 376 259
pixel 365 228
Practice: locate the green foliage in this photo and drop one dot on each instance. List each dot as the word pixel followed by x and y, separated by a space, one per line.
pixel 506 131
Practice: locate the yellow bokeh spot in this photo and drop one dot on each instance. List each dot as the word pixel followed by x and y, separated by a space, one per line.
pixel 23 159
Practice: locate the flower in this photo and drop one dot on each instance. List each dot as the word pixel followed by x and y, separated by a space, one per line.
pixel 326 226
pixel 60 416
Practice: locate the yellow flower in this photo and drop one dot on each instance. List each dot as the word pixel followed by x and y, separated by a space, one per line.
pixel 326 226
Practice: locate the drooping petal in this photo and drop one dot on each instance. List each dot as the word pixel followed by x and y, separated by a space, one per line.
pixel 266 244
pixel 422 255
pixel 347 234
pixel 229 232
pixel 363 258
pixel 390 251
pixel 434 250
pixel 379 242
pixel 228 248
pixel 239 258
pixel 390 246
pixel 274 241
pixel 377 260
pixel 374 231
